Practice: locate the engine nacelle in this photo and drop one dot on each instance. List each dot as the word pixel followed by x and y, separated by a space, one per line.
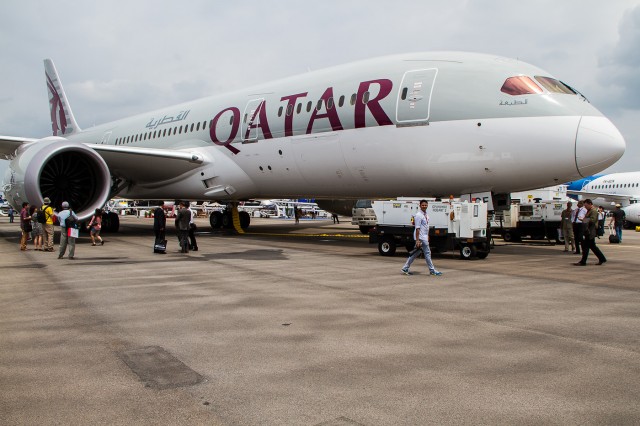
pixel 62 170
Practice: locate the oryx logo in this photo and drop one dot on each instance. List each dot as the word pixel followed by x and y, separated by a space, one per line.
pixel 58 116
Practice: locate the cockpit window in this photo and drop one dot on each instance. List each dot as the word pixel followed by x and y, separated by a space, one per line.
pixel 520 85
pixel 554 86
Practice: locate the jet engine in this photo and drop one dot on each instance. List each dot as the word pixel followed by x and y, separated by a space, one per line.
pixel 62 170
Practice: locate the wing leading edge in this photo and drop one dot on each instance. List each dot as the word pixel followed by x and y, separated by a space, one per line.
pixel 148 165
pixel 9 145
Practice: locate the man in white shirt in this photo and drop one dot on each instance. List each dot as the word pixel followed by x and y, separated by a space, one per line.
pixel 578 215
pixel 422 241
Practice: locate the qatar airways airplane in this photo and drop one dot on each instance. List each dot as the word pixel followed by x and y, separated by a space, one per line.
pixel 412 124
pixel 610 189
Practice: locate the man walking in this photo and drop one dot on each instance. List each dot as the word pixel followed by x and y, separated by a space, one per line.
pixel 590 232
pixel 422 241
pixel 577 217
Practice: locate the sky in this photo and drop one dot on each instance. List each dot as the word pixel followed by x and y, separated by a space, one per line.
pixel 118 58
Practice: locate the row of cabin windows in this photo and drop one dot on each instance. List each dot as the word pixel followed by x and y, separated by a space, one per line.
pixel 330 104
pixel 619 185
pixel 196 126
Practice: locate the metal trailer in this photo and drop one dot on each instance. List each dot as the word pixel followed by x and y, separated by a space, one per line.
pixel 538 221
pixel 454 225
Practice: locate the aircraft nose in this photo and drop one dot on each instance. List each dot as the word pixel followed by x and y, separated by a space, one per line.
pixel 599 144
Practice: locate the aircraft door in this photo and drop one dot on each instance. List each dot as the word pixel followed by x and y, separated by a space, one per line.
pixel 414 97
pixel 251 120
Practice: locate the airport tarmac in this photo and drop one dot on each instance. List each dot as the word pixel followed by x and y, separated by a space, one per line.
pixel 307 325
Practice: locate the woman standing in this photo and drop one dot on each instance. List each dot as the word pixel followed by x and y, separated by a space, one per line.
pixel 95 225
pixel 37 232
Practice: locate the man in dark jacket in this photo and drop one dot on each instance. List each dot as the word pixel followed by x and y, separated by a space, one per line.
pixel 590 232
pixel 159 224
pixel 183 218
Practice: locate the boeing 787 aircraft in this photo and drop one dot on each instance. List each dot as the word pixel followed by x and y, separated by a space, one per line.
pixel 406 125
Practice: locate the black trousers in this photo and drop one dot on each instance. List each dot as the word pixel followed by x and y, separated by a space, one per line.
pixel 590 244
pixel 577 236
pixel 192 237
pixel 159 233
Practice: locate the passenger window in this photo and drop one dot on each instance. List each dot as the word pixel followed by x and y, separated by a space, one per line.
pixel 231 120
pixel 198 126
pixel 164 133
pixel 330 103
pixel 520 85
pixel 404 93
pixel 353 99
pixel 341 101
pixel 192 126
pixel 365 97
pixel 309 106
pixel 280 111
pixel 299 108
pixel 289 110
pixel 319 105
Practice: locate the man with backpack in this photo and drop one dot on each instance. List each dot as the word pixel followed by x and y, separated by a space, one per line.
pixel 68 231
pixel 46 219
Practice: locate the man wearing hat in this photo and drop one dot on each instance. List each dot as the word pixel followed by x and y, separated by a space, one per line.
pixel 48 213
pixel 65 238
pixel 617 218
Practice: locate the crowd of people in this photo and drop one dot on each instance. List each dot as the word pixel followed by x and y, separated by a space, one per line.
pixel 580 228
pixel 37 225
pixel 583 225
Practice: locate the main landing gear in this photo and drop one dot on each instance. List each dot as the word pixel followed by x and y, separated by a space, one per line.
pixel 230 218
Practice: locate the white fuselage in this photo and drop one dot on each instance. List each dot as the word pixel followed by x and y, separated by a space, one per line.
pixel 407 125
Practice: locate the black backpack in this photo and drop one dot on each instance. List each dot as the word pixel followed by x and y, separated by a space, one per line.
pixel 42 215
pixel 70 221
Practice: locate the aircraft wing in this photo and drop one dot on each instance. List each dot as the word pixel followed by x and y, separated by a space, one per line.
pixel 613 198
pixel 9 144
pixel 148 165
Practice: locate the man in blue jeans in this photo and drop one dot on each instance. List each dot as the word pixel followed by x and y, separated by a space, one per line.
pixel 422 240
pixel 617 218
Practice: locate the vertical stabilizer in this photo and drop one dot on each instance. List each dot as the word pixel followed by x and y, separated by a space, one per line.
pixel 62 120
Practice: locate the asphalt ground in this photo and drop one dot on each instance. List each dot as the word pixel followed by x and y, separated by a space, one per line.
pixel 307 325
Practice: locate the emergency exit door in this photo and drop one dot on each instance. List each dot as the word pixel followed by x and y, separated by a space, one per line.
pixel 414 97
pixel 251 120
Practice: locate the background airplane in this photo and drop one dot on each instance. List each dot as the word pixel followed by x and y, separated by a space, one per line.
pixel 610 189
pixel 406 125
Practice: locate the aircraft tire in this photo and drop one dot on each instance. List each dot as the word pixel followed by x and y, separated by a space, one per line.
pixel 110 222
pixel 215 220
pixel 227 221
pixel 245 220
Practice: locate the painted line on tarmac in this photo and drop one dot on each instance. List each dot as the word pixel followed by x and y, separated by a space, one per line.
pixel 307 235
